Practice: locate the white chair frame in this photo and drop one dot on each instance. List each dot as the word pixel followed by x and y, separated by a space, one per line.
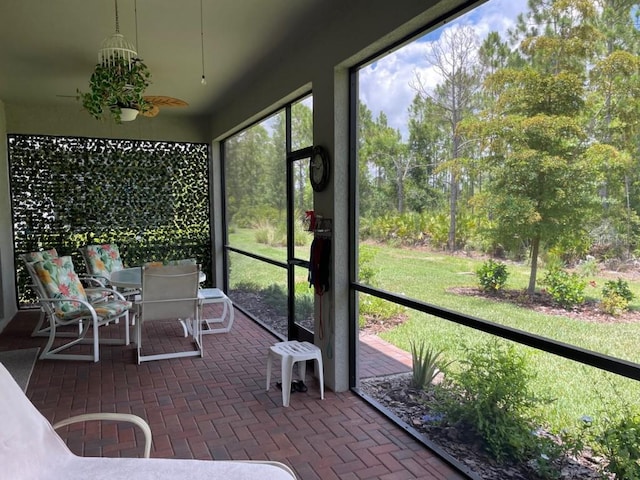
pixel 170 292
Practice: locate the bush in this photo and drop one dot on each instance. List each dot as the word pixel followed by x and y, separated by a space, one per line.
pixel 565 289
pixel 492 275
pixel 616 296
pixel 268 234
pixel 373 308
pixel 619 443
pixel 614 305
pixel 377 310
pixel 366 272
pixel 490 396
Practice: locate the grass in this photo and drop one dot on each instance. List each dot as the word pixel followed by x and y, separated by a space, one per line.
pixel 576 389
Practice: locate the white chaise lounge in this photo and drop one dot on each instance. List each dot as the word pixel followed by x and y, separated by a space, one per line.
pixel 30 449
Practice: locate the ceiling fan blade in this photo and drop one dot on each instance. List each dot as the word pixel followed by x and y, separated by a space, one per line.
pixel 163 101
pixel 152 111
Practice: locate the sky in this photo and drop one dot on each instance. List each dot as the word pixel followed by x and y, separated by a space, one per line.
pixel 385 85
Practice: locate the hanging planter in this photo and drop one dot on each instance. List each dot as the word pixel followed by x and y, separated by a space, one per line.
pixel 128 114
pixel 116 85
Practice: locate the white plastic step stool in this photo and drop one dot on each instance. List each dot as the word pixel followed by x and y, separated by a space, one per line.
pixel 212 325
pixel 291 352
pixel 215 295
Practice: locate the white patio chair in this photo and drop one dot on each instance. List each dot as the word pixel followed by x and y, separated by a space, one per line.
pixel 66 304
pixel 43 326
pixel 170 293
pixel 101 260
pixel 31 449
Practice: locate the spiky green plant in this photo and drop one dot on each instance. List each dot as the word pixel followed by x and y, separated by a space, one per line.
pixel 425 367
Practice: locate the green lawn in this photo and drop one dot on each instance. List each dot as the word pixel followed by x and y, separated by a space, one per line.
pixel 576 389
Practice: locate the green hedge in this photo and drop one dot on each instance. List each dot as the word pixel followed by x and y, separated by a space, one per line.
pixel 149 197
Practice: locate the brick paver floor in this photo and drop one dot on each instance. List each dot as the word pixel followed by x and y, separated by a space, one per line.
pixel 216 407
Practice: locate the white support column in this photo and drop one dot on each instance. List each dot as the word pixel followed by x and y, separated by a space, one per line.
pixel 331 130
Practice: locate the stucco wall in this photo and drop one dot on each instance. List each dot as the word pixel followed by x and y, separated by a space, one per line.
pixel 7 295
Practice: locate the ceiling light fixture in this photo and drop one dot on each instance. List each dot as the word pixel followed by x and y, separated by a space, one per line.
pixel 204 80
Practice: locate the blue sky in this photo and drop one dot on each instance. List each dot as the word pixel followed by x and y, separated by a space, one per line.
pixel 385 84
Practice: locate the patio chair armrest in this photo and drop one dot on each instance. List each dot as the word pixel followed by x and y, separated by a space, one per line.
pixel 115 417
pixel 110 291
pixel 92 280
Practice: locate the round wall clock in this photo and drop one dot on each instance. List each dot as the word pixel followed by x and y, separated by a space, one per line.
pixel 319 169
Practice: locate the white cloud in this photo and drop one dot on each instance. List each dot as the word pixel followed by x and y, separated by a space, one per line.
pixel 385 85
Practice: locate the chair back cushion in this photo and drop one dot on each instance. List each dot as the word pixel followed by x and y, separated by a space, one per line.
pixel 102 259
pixel 169 291
pixel 28 442
pixel 40 256
pixel 59 280
pixel 29 259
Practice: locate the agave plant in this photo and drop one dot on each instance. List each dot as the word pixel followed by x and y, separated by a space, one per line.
pixel 425 366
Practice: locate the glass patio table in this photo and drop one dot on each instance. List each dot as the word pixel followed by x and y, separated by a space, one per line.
pixel 132 278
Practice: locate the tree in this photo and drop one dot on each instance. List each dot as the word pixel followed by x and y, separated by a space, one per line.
pixel 429 145
pixel 366 188
pixel 613 108
pixel 247 153
pixel 454 58
pixel 301 137
pixel 389 157
pixel 542 166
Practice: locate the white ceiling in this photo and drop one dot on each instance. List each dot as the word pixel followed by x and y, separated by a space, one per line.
pixel 48 48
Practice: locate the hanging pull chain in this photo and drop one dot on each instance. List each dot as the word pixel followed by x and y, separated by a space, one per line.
pixel 117 21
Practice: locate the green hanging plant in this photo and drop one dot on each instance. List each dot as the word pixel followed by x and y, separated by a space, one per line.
pixel 117 85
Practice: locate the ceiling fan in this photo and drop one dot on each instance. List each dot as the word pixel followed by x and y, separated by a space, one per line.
pixel 119 81
pixel 157 101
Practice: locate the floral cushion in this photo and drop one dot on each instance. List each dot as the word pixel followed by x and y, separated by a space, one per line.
pixel 41 255
pixel 95 296
pixel 60 281
pixel 103 259
pixel 112 308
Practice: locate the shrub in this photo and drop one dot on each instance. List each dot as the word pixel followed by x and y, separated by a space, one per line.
pixel 619 443
pixel 366 272
pixel 373 308
pixel 589 268
pixel 616 296
pixel 565 289
pixel 425 366
pixel 438 230
pixel 304 303
pixel 266 233
pixel 614 305
pixel 376 309
pixel 492 275
pixel 490 396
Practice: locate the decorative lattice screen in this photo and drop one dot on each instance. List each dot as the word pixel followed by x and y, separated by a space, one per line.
pixel 151 198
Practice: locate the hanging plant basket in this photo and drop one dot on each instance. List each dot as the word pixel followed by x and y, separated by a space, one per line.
pixel 115 85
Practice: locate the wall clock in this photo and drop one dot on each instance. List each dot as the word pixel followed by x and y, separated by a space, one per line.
pixel 319 169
